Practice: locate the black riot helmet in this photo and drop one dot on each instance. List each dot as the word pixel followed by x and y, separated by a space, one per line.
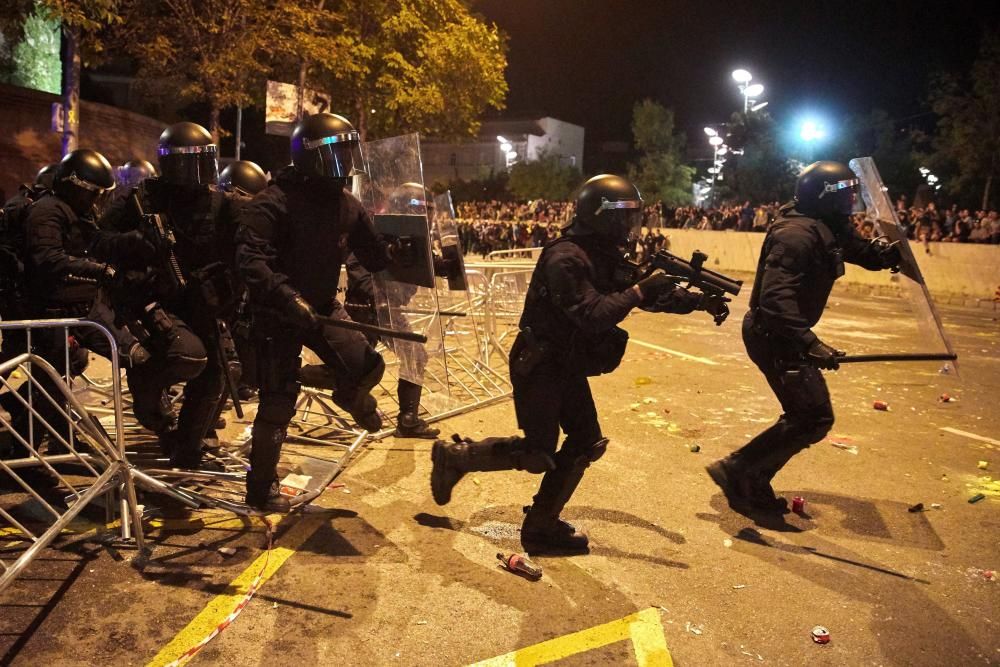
pixel 187 155
pixel 826 190
pixel 83 180
pixel 326 145
pixel 243 176
pixel 609 207
pixel 45 176
pixel 134 172
pixel 409 198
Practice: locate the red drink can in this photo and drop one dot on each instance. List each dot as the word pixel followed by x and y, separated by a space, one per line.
pixel 881 405
pixel 821 635
pixel 798 504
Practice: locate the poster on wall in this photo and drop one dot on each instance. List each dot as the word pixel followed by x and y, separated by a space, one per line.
pixel 282 101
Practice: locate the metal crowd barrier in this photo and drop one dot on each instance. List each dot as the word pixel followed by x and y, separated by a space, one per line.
pixel 60 458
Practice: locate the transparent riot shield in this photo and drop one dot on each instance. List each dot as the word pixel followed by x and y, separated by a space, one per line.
pixel 879 209
pixel 405 298
pixel 447 241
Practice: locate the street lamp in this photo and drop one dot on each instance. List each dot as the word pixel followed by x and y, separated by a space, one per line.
pixel 710 131
pixel 742 77
pixel 716 141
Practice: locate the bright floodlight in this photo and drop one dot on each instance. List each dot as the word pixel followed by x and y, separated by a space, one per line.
pixel 506 147
pixel 812 131
pixel 742 76
pixel 502 140
pixel 716 140
pixel 710 131
pixel 723 150
pixel 511 155
pixel 753 91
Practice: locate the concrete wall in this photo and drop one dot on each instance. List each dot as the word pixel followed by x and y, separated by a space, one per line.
pixel 28 142
pixel 965 272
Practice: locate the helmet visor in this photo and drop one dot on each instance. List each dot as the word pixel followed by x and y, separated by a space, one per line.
pixel 624 220
pixel 337 156
pixel 843 193
pixel 189 165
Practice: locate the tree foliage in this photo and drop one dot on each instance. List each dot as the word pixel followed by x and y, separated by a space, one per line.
pixel 966 147
pixel 221 52
pixel 763 173
pixel 90 19
pixel 660 173
pixel 544 178
pixel 876 135
pixel 425 66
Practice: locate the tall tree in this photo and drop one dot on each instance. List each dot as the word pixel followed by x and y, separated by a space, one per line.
pixel 84 24
pixel 763 172
pixel 966 147
pixel 220 52
pixel 546 177
pixel 660 174
pixel 426 66
pixel 876 135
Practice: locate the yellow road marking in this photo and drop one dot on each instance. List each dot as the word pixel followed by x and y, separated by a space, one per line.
pixel 221 606
pixel 667 350
pixel 643 629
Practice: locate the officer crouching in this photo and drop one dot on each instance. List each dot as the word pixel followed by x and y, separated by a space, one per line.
pixel 578 294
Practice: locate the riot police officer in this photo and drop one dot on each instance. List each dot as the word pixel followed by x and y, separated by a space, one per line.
pixel 243 176
pixel 292 240
pixel 181 296
pixel 581 288
pixel 65 265
pixel 132 173
pixel 802 255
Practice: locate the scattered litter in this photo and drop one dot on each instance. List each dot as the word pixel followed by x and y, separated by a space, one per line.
pixel 850 449
pixel 881 405
pixel 739 586
pixel 345 490
pixel 519 564
pixel 727 543
pixel 695 448
pixel 421 622
pixel 643 380
pixel 694 629
pixel 666 411
pixel 990 575
pixel 935 506
pixel 983 465
pixel 947 398
pixel 919 507
pixel 294 485
pixel 976 498
pixel 821 635
pixel 475 480
pixel 944 478
pixel 798 504
pixel 336 485
pixel 274 605
pixel 945 370
pixel 649 400
pixel 227 551
pixel 635 407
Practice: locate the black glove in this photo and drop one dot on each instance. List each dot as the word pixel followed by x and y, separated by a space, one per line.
pixel 107 275
pixel 823 356
pixel 889 253
pixel 301 313
pixel 403 251
pixel 651 287
pixel 445 268
pixel 715 305
pixel 138 355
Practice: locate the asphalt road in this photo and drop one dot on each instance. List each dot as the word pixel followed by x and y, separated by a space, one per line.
pixel 384 576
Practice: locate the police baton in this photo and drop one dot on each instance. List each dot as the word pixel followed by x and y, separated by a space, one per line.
pixel 374 330
pixel 871 358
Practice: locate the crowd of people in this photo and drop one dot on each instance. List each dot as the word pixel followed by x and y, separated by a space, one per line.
pixel 493 225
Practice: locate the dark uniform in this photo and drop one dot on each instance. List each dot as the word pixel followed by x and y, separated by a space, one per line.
pixel 801 258
pixel 292 240
pixel 568 331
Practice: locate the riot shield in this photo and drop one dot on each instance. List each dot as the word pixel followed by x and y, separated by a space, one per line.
pixel 879 209
pixel 405 298
pixel 445 231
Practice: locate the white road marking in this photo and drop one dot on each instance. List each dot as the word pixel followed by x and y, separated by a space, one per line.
pixel 970 435
pixel 700 360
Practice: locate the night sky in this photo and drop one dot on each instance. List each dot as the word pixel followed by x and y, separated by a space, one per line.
pixel 588 61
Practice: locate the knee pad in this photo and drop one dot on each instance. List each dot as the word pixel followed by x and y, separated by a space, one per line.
pixel 186 367
pixel 276 409
pixel 581 456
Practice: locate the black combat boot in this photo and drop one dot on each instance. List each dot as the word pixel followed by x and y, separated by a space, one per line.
pixel 733 478
pixel 451 460
pixel 267 497
pixel 409 424
pixel 543 532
